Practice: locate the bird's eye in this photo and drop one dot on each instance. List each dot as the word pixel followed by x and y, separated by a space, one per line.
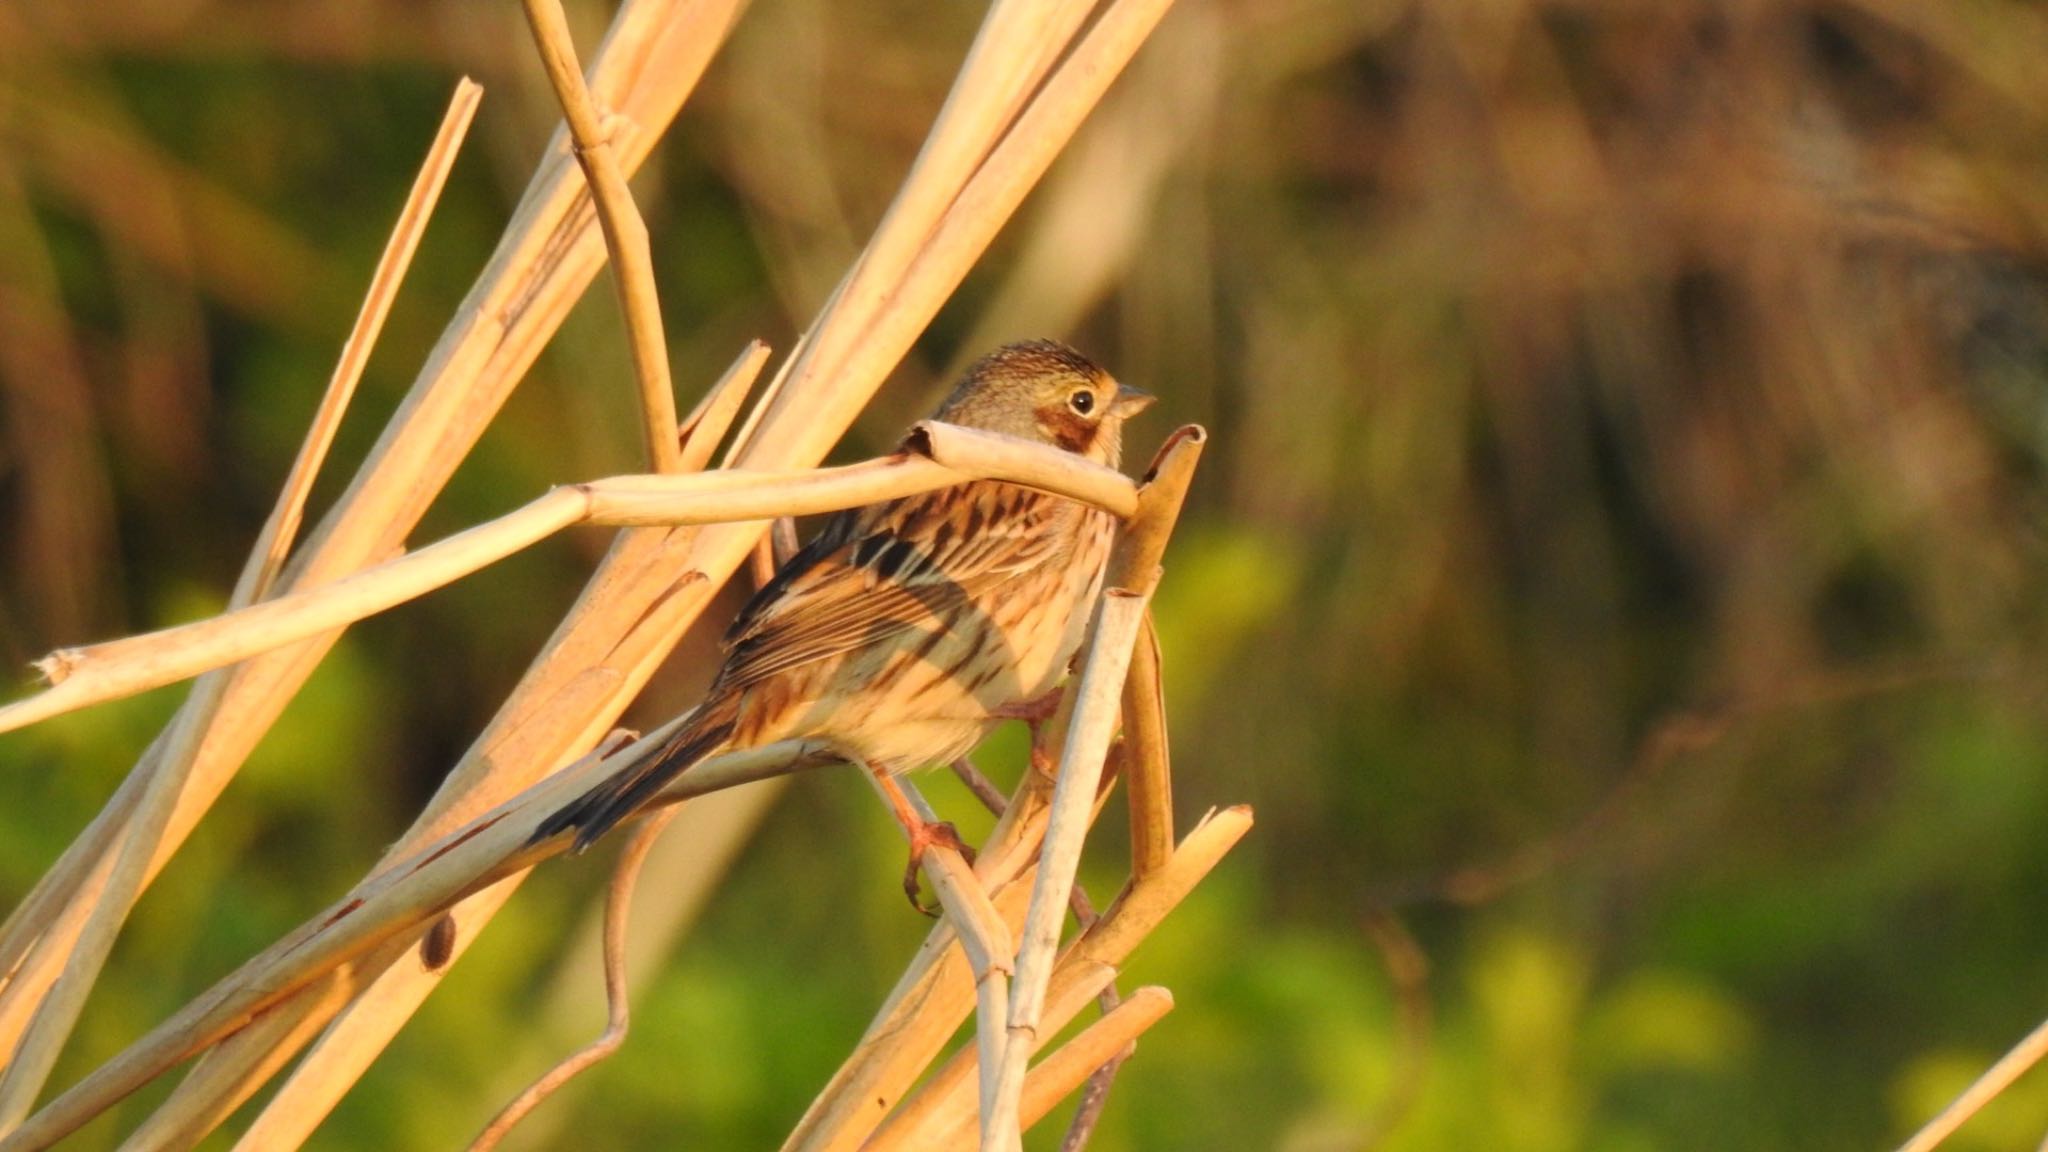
pixel 1082 402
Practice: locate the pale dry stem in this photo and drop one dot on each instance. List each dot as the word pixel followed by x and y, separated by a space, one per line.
pixel 124 667
pixel 625 233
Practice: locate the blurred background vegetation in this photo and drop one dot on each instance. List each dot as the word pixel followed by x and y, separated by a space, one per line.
pixel 1614 579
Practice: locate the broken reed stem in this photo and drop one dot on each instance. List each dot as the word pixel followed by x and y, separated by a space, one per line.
pixel 1148 773
pixel 618 910
pixel 274 541
pixel 1087 721
pixel 625 233
pixel 124 667
pixel 712 418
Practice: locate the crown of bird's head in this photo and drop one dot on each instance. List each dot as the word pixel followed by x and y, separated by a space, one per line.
pixel 1045 391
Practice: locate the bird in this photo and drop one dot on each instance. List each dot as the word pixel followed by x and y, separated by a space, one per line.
pixel 904 631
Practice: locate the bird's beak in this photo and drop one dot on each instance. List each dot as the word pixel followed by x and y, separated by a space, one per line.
pixel 1129 402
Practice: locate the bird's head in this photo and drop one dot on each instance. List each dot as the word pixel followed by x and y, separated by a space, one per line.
pixel 1045 391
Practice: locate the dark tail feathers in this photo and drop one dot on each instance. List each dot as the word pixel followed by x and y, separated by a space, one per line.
pixel 595 812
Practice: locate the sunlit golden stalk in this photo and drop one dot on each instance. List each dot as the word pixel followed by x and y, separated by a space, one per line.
pixel 1148 774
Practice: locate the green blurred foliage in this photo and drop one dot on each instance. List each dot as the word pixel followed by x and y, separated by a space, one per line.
pixel 1619 560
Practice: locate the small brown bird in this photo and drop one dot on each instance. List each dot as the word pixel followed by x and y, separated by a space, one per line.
pixel 904 631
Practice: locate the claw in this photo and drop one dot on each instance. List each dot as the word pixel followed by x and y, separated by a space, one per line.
pixel 922 837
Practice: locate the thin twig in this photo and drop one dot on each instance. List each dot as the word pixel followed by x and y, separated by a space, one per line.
pixel 1408 969
pixel 983 788
pixel 1095 1092
pixel 618 910
pixel 625 234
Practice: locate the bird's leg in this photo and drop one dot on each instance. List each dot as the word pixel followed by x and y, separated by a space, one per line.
pixel 915 815
pixel 1034 713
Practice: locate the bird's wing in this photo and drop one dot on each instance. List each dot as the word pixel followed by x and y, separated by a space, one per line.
pixel 876 572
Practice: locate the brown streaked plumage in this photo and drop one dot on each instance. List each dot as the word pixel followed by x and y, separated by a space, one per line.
pixel 904 631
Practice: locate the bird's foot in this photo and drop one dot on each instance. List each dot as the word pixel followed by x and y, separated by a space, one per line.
pixel 923 836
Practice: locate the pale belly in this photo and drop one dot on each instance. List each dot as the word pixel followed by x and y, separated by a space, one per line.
pixel 931 697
